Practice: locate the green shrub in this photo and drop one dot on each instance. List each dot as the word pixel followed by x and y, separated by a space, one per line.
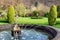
pixel 46 14
pixel 11 14
pixel 21 10
pixel 35 13
pixel 52 16
pixel 3 16
pixel 58 10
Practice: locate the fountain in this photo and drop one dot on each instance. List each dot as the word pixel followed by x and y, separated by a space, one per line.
pixel 28 32
pixel 33 32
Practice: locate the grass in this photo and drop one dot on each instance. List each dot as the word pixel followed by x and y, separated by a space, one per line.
pixel 43 21
pixel 28 20
pixel 3 23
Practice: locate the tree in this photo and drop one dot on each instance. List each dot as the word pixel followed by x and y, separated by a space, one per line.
pixel 58 10
pixel 11 14
pixel 52 16
pixel 35 13
pixel 21 9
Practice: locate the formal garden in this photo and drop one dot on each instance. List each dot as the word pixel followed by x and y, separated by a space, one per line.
pixel 24 16
pixel 32 19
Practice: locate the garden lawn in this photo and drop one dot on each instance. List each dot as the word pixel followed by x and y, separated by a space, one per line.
pixel 43 21
pixel 1 22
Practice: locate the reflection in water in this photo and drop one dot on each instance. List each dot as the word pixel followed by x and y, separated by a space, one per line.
pixel 25 35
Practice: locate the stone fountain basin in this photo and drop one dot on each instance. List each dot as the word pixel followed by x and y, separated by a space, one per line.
pixel 47 29
pixel 50 30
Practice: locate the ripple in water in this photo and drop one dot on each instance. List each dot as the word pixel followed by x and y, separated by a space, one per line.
pixel 25 35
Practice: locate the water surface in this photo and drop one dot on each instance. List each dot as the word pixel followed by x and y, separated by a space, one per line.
pixel 25 35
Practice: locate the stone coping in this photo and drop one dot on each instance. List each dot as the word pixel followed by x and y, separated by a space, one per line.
pixel 45 28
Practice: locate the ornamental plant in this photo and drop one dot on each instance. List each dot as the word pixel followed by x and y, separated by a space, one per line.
pixel 21 9
pixel 52 16
pixel 11 14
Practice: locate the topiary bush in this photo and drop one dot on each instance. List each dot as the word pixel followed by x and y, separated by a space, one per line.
pixel 58 10
pixel 11 14
pixel 52 16
pixel 21 10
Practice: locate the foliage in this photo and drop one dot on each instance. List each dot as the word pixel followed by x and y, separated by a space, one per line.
pixel 46 14
pixel 52 16
pixel 11 14
pixel 58 10
pixel 21 9
pixel 3 16
pixel 35 13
